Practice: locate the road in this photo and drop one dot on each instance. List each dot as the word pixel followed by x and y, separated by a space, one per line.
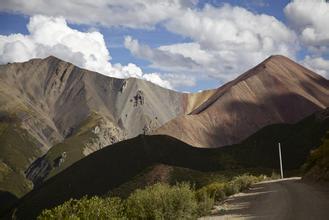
pixel 281 199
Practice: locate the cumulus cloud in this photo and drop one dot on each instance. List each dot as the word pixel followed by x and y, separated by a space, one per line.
pixel 225 41
pixel 134 14
pixel 310 18
pixel 52 36
pixel 317 64
pixel 222 43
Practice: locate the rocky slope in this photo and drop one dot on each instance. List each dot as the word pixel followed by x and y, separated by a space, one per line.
pixel 276 91
pixel 53 102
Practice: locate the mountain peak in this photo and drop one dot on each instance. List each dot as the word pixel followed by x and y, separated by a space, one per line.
pixel 278 90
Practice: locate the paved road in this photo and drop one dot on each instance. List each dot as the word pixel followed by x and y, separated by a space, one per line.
pixel 281 199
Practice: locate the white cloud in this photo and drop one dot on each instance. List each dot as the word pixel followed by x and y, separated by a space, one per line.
pixel 155 78
pixel 310 18
pixel 225 42
pixel 178 80
pixel 317 64
pixel 160 58
pixel 52 36
pixel 135 14
pixel 233 28
pixel 189 50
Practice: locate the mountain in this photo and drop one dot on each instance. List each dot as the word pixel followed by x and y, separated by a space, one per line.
pixel 50 102
pixel 277 90
pixel 112 166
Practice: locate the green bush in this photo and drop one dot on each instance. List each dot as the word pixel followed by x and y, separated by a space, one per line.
pixel 231 188
pixel 220 190
pixel 243 182
pixel 214 190
pixel 86 208
pixel 159 201
pixel 162 201
pixel 205 203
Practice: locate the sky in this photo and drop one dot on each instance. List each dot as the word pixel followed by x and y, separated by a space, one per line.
pixel 184 45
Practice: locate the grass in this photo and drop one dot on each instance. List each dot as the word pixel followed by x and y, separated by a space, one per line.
pixel 17 148
pixel 73 146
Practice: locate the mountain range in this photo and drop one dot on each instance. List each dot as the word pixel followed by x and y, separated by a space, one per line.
pixel 70 131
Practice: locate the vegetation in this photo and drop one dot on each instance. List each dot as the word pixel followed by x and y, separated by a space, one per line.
pixel 72 146
pixel 86 208
pixel 220 190
pixel 144 151
pixel 172 175
pixel 162 201
pixel 317 165
pixel 159 201
pixel 16 147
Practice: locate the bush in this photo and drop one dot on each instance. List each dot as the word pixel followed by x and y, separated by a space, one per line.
pixel 275 176
pixel 205 203
pixel 161 201
pixel 214 190
pixel 231 188
pixel 243 182
pixel 86 208
pixel 219 191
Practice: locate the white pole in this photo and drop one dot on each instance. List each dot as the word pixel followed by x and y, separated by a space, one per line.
pixel 281 169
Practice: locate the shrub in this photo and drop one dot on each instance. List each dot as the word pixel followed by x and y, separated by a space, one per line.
pixel 205 203
pixel 231 188
pixel 86 208
pixel 214 190
pixel 243 182
pixel 219 191
pixel 275 175
pixel 161 201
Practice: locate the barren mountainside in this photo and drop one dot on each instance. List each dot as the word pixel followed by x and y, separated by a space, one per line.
pixel 276 91
pixel 47 102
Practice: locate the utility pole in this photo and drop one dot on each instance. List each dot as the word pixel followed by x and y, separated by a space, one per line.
pixel 281 169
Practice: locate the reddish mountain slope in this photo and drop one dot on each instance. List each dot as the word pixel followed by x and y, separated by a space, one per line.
pixel 276 91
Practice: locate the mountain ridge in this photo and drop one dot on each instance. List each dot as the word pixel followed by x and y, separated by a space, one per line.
pixel 277 90
pixel 52 100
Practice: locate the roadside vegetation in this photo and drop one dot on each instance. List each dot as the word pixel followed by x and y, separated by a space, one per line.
pixel 317 164
pixel 158 201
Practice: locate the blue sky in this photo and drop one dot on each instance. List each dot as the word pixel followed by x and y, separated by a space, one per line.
pixel 183 45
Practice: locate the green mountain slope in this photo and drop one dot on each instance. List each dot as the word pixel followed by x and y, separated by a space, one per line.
pixel 112 166
pixel 17 149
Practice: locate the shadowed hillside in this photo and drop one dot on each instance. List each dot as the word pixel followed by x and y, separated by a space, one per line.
pixel 111 166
